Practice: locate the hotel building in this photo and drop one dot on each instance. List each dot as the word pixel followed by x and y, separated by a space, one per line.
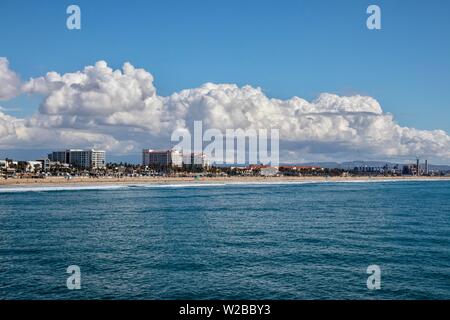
pixel 162 158
pixel 195 160
pixel 80 158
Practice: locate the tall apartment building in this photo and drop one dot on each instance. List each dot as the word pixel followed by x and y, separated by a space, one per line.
pixel 195 160
pixel 59 156
pixel 162 158
pixel 80 158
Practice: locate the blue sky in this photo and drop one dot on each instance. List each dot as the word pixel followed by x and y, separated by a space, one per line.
pixel 288 48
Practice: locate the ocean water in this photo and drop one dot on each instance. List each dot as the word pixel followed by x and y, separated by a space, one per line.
pixel 280 241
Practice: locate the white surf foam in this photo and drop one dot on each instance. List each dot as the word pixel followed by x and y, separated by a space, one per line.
pixel 200 185
pixel 59 188
pixel 183 185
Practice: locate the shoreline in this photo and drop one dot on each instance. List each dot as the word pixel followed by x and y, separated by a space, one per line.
pixel 104 181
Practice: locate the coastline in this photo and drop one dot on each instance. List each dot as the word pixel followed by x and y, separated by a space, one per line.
pixel 106 181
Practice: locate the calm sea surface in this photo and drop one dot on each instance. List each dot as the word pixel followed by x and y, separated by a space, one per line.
pixel 294 241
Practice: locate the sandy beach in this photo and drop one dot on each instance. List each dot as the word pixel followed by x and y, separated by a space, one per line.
pixel 88 181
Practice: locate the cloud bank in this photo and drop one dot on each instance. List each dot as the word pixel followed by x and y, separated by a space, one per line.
pixel 120 111
pixel 9 81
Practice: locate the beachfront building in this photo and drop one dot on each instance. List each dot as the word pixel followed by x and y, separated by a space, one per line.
pixel 259 170
pixel 8 163
pixel 3 167
pixel 80 158
pixel 162 158
pixel 87 158
pixel 8 168
pixel 33 166
pixel 267 171
pixel 3 164
pixel 195 161
pixel 47 165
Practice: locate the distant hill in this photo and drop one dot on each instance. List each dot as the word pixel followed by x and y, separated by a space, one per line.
pixel 352 164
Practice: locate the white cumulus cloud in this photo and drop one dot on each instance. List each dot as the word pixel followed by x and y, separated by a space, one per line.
pixel 9 81
pixel 120 109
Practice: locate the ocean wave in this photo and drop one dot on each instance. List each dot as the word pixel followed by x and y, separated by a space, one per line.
pixel 200 185
pixel 389 180
pixel 58 188
pixel 183 185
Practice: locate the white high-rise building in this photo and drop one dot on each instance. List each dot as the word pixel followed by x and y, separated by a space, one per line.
pixel 80 158
pixel 195 160
pixel 162 158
